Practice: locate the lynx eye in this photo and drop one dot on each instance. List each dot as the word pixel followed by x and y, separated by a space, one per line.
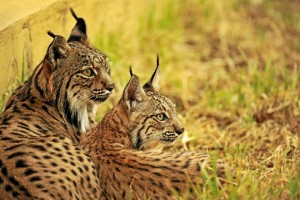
pixel 161 117
pixel 88 73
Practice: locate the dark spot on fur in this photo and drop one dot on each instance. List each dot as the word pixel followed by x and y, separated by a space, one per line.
pixel 32 101
pixel 59 155
pixel 47 157
pixel 23 189
pixel 29 172
pixel 35 157
pixel 16 154
pixel 9 104
pixel 24 105
pixel 80 169
pixel 86 168
pixel 70 193
pixel 66 147
pixel 16 109
pixel 48 144
pixel 157 174
pixel 57 149
pixel 45 191
pixel 8 188
pixel 6 138
pixel 55 140
pixel 13 147
pixel 176 181
pixel 6 119
pixel 4 171
pixel 35 178
pixel 39 147
pixel 45 108
pixel 15 194
pixel 73 172
pixel 80 158
pixel 62 170
pixel 21 164
pixel 39 186
pixel 186 164
pixel 74 183
pixel 13 181
pixel 53 172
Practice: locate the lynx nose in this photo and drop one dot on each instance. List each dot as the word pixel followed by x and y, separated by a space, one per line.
pixel 111 87
pixel 179 131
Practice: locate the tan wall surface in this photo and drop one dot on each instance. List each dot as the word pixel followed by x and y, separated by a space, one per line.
pixel 23 27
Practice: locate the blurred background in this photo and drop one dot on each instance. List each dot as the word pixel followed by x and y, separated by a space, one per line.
pixel 231 67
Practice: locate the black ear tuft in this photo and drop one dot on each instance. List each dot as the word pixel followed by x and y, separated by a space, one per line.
pixel 153 83
pixel 51 34
pixel 79 33
pixel 73 13
pixel 130 71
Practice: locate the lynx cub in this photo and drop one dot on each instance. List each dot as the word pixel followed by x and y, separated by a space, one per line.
pixel 125 171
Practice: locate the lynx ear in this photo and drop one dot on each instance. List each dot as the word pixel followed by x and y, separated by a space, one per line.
pixel 78 33
pixel 58 49
pixel 133 93
pixel 153 83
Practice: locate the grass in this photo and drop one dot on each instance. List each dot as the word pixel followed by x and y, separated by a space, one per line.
pixel 232 68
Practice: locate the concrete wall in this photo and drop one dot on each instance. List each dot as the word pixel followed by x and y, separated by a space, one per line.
pixel 23 27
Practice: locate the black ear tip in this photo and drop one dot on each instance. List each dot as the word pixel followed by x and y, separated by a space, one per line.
pixel 80 25
pixel 130 71
pixel 51 34
pixel 73 13
pixel 157 60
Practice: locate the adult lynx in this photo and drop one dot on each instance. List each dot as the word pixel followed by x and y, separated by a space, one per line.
pixel 43 120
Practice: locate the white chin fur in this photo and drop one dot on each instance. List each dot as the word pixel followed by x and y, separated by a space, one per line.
pixel 84 122
pixel 82 116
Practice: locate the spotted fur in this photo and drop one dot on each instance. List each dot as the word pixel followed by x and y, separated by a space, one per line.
pixel 44 118
pixel 127 172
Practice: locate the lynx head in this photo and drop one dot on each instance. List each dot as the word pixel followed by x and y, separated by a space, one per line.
pixel 152 116
pixel 78 75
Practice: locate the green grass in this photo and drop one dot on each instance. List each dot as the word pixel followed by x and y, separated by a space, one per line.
pixel 232 69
